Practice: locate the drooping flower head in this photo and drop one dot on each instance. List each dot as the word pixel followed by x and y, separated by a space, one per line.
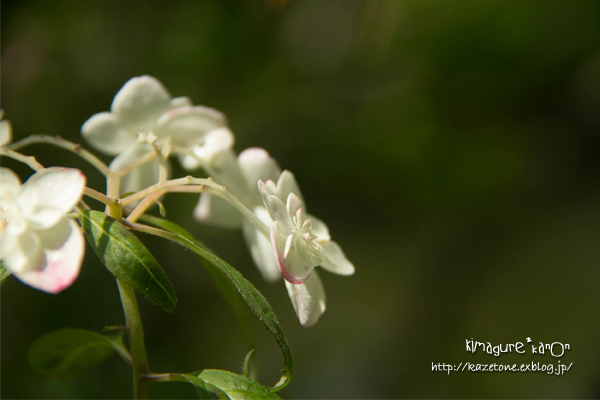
pixel 298 242
pixel 143 105
pixel 39 244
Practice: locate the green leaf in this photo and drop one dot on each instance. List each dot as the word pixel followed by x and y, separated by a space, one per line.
pixel 4 273
pixel 127 258
pixel 221 281
pixel 247 361
pixel 228 385
pixel 253 298
pixel 68 352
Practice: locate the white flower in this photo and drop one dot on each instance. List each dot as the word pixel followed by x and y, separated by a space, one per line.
pixel 144 106
pixel 39 244
pixel 300 243
pixel 240 176
pixel 5 131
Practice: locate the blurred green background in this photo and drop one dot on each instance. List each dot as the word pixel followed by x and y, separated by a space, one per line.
pixel 451 147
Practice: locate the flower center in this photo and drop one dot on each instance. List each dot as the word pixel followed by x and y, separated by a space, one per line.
pixel 302 228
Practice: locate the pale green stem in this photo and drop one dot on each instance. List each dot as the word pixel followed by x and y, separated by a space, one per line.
pixel 162 169
pixel 210 187
pixel 99 196
pixel 113 189
pixel 188 180
pixel 144 204
pixel 65 144
pixel 164 378
pixel 136 341
pixel 149 200
pixel 29 160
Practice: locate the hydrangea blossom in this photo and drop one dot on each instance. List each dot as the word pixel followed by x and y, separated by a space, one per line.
pixel 240 175
pixel 300 243
pixel 39 244
pixel 5 130
pixel 143 105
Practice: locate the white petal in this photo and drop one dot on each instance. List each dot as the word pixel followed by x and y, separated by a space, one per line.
pixel 293 268
pixel 215 142
pixel 62 265
pixel 140 177
pixel 47 195
pixel 215 211
pixel 189 124
pixel 287 184
pixel 140 102
pixel 293 204
pixel 5 133
pixel 181 101
pixel 189 161
pixel 225 170
pixel 54 237
pixel 334 259
pixel 319 229
pixel 289 242
pixel 308 299
pixel 256 164
pixel 274 205
pixel 103 133
pixel 260 247
pixel 10 184
pixel 21 252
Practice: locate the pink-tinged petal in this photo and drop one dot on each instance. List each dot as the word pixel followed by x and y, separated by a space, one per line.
pixel 256 164
pixel 62 265
pixel 319 228
pixel 287 184
pixel 103 133
pixel 140 102
pixel 334 259
pixel 215 211
pixel 22 252
pixel 293 204
pixel 308 299
pixel 189 125
pixel 260 247
pixel 292 268
pixel 10 184
pixel 5 133
pixel 47 195
pixel 140 177
pixel 181 101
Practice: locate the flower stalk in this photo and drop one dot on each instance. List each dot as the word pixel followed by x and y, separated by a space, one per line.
pixel 135 333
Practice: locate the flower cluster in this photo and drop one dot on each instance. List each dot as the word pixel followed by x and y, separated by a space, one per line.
pixel 200 137
pixel 43 247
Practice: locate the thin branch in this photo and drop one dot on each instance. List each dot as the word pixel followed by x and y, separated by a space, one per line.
pixel 65 144
pixel 206 185
pixel 29 160
pixel 109 201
